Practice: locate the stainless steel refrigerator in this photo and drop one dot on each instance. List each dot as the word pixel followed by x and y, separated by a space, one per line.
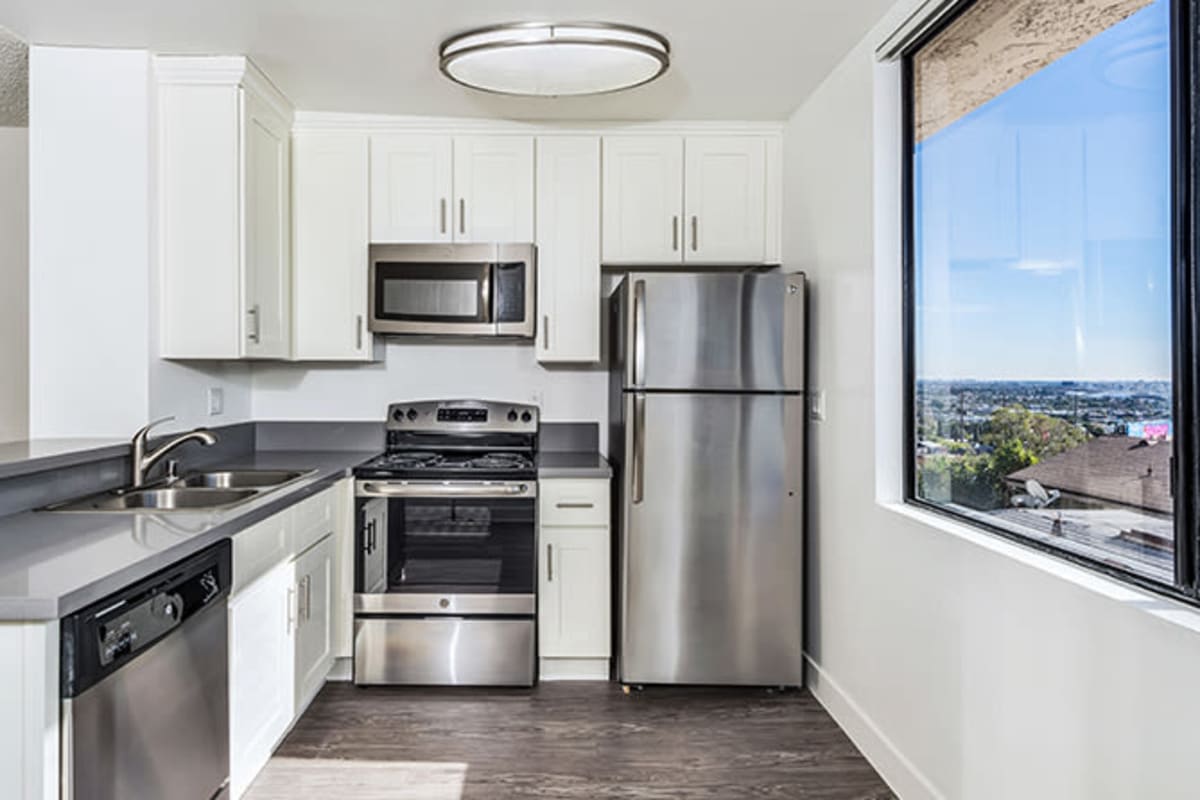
pixel 707 436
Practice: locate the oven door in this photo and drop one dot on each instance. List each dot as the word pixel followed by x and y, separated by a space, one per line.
pixel 446 548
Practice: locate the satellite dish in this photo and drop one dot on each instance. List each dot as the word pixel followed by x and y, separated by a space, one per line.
pixel 1037 491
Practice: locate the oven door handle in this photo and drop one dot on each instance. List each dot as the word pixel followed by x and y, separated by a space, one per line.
pixel 383 489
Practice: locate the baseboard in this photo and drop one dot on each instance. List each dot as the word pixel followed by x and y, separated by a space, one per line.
pixel 342 670
pixel 900 774
pixel 573 669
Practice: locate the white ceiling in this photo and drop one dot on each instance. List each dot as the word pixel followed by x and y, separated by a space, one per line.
pixel 732 59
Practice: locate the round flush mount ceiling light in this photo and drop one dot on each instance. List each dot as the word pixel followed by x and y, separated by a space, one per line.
pixel 555 60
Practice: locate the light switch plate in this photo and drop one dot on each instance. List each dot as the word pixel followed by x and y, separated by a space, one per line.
pixel 216 401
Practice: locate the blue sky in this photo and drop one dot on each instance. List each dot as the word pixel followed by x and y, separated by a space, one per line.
pixel 1042 221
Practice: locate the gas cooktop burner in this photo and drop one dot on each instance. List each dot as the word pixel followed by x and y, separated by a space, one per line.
pixel 411 461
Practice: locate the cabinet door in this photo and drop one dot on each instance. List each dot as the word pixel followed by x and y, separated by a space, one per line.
pixel 725 199
pixel 267 214
pixel 314 632
pixel 261 673
pixel 330 234
pixel 643 199
pixel 573 596
pixel 411 181
pixel 493 189
pixel 568 240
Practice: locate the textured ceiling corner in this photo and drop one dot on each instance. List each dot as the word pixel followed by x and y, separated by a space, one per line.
pixel 14 81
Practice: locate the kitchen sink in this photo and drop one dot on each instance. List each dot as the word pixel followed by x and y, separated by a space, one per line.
pixel 196 491
pixel 160 499
pixel 241 479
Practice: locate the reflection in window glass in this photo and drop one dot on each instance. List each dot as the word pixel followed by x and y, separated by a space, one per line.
pixel 1042 274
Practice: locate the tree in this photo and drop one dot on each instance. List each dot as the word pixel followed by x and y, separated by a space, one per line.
pixel 1039 435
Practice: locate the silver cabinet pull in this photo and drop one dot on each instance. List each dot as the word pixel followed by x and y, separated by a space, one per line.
pixel 443 205
pixel 546 332
pixel 639 447
pixel 695 232
pixel 549 563
pixel 358 340
pixel 462 215
pixel 574 505
pixel 291 602
pixel 308 596
pixel 639 333
pixel 675 232
pixel 255 334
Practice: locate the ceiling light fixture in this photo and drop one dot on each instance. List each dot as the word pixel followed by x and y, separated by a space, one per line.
pixel 555 60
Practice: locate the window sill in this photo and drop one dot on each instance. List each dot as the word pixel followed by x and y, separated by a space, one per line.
pixel 1156 605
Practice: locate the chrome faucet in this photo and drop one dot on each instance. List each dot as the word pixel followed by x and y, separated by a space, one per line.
pixel 140 461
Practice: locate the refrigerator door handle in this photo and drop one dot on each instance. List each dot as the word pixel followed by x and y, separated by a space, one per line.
pixel 639 447
pixel 639 332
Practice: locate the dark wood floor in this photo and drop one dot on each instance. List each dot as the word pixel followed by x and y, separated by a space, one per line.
pixel 588 740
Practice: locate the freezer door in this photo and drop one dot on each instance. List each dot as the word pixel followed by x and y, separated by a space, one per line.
pixel 728 331
pixel 710 543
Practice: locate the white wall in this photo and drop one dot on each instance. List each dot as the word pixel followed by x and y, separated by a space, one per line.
pixel 89 255
pixel 415 370
pixel 14 277
pixel 964 666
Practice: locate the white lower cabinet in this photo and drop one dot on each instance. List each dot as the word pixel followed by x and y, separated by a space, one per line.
pixel 261 673
pixel 281 626
pixel 314 620
pixel 574 579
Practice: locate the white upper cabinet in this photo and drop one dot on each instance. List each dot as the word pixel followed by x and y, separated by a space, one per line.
pixel 568 240
pixel 702 199
pixel 411 188
pixel 451 189
pixel 493 189
pixel 725 193
pixel 223 210
pixel 331 234
pixel 643 199
pixel 267 272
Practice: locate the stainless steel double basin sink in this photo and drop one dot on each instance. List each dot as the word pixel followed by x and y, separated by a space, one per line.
pixel 197 491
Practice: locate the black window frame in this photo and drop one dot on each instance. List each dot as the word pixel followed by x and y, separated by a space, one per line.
pixel 1185 327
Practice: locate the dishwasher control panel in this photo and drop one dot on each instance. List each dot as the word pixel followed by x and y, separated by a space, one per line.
pixel 113 631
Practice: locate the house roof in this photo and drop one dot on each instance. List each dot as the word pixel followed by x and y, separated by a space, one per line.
pixel 1118 469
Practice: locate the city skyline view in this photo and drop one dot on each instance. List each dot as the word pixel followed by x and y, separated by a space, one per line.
pixel 1042 221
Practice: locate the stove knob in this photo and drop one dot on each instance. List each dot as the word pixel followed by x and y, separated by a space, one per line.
pixel 398 415
pixel 412 415
pixel 526 416
pixel 512 415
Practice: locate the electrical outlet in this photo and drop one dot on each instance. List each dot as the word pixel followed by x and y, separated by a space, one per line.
pixel 216 401
pixel 816 406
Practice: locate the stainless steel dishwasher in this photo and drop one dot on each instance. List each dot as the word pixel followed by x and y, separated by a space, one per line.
pixel 145 688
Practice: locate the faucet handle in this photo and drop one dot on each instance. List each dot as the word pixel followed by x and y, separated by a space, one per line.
pixel 145 429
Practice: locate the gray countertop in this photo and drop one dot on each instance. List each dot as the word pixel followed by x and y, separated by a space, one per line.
pixel 573 465
pixel 55 563
pixel 33 455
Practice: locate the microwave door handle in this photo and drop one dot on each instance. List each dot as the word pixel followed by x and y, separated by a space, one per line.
pixel 487 311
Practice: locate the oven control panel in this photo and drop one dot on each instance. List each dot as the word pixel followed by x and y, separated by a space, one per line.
pixel 457 416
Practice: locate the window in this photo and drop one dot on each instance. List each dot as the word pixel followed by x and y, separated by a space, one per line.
pixel 1042 233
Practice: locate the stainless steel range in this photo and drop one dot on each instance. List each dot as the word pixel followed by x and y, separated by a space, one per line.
pixel 445 576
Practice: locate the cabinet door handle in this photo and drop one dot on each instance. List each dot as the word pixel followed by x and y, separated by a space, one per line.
pixel 443 206
pixel 358 332
pixel 675 232
pixel 462 215
pixel 545 331
pixel 549 563
pixel 255 334
pixel 308 596
pixel 291 601
pixel 575 505
pixel 695 232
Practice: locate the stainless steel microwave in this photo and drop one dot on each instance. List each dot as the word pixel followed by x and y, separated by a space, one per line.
pixel 453 289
